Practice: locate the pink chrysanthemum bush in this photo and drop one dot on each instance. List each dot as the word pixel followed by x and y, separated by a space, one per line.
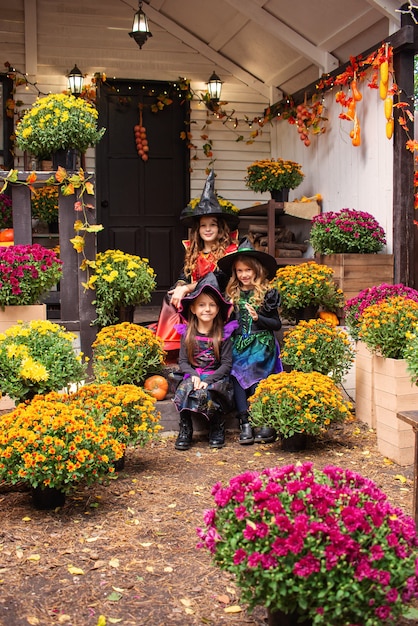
pixel 326 545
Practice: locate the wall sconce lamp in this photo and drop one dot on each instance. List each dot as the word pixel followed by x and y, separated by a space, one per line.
pixel 214 88
pixel 140 30
pixel 75 81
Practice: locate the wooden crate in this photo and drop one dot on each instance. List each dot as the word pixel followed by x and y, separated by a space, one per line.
pixel 355 272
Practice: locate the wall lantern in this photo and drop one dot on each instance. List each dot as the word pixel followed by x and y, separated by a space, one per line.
pixel 214 88
pixel 75 81
pixel 140 30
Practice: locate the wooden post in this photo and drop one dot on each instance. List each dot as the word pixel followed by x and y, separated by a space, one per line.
pixel 411 418
pixel 77 310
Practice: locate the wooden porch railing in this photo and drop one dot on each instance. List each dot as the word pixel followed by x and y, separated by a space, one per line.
pixel 76 308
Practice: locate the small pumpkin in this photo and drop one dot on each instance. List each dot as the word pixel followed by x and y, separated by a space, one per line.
pixel 7 234
pixel 157 386
pixel 327 316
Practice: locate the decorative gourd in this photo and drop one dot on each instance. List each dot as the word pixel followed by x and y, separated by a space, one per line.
pixel 327 316
pixel 7 234
pixel 157 386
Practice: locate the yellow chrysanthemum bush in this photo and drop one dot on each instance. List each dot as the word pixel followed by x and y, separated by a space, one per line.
pixel 307 284
pixel 297 402
pixel 58 122
pixel 119 279
pixel 128 408
pixel 50 442
pixel 38 357
pixel 126 353
pixel 318 346
pixel 384 326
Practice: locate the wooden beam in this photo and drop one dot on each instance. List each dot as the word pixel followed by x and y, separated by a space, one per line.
pixel 322 58
pixel 208 52
pixel 388 8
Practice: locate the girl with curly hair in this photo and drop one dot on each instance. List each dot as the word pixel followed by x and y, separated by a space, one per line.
pixel 255 351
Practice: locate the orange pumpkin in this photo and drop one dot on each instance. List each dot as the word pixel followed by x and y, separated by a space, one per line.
pixel 327 316
pixel 7 234
pixel 157 386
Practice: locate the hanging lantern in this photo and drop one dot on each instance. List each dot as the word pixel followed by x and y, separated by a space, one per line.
pixel 140 30
pixel 75 81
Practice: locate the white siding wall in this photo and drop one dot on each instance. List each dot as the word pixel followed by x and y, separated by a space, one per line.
pixel 94 35
pixel 346 176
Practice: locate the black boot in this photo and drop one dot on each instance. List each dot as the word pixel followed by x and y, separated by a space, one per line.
pixel 216 432
pixel 246 436
pixel 184 439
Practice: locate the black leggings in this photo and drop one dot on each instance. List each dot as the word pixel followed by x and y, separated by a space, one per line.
pixel 241 395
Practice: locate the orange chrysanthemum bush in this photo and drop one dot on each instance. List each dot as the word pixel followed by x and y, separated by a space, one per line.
pixel 127 408
pixel 52 442
pixel 297 402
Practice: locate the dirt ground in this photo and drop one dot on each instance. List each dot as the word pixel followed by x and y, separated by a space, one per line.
pixel 126 551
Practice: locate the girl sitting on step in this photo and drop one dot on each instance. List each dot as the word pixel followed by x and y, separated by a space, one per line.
pixel 205 361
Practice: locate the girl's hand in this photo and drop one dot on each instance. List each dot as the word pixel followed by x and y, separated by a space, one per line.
pixel 253 313
pixel 177 294
pixel 197 383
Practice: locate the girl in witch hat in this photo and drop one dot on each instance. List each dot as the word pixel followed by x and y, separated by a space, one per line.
pixel 212 235
pixel 205 362
pixel 256 352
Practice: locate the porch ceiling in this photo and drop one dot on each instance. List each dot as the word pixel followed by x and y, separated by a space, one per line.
pixel 269 44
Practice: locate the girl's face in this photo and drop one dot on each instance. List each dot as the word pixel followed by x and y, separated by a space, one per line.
pixel 245 274
pixel 205 308
pixel 208 229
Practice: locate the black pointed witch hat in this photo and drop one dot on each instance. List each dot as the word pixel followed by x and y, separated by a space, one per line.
pixel 210 284
pixel 246 248
pixel 208 205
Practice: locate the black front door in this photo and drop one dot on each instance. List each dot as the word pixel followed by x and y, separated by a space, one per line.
pixel 139 202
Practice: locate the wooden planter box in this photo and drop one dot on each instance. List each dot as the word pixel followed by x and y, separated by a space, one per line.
pixel 9 316
pixel 394 392
pixel 355 272
pixel 365 409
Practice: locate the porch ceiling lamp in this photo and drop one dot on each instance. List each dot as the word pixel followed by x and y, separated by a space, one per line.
pixel 75 81
pixel 214 88
pixel 140 30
